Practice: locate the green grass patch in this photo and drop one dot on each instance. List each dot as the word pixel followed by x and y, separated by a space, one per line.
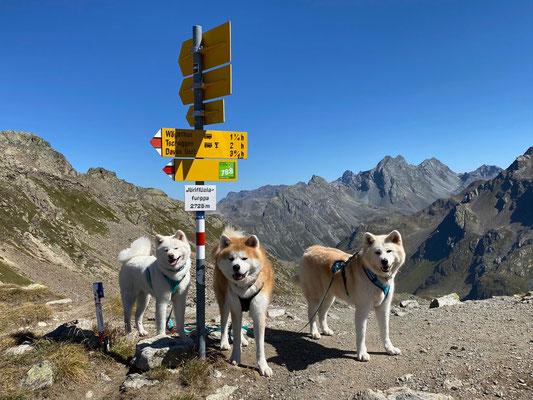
pixel 195 373
pixel 13 317
pixel 15 294
pixel 7 275
pixel 160 374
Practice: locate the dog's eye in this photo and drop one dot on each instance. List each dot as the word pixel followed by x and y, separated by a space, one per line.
pixel 389 251
pixel 244 258
pixel 378 253
pixel 231 258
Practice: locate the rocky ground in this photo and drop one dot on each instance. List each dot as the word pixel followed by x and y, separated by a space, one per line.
pixel 471 350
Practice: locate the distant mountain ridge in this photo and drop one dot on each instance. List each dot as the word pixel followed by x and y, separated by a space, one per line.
pixel 293 217
pixel 478 243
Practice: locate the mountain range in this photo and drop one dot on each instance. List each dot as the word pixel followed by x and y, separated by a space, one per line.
pixel 478 243
pixel 291 218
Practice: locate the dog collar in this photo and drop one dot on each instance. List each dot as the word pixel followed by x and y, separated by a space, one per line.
pixel 173 284
pixel 245 302
pixel 374 279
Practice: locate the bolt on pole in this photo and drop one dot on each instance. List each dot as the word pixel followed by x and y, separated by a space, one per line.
pixel 200 215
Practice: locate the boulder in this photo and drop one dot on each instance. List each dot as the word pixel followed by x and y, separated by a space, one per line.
pixel 58 302
pixel 39 376
pixel 160 350
pixel 275 312
pixel 447 300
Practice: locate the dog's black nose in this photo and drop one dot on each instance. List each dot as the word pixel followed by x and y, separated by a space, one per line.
pixel 384 262
pixel 236 267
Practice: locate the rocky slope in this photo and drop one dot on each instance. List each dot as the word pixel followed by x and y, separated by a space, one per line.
pixel 291 218
pixel 66 228
pixel 478 243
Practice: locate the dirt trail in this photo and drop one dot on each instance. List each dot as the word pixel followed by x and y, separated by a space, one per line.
pixel 473 350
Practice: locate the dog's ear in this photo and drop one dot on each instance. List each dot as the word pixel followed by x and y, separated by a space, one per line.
pixel 369 239
pixel 252 241
pixel 225 241
pixel 180 235
pixel 158 240
pixel 394 237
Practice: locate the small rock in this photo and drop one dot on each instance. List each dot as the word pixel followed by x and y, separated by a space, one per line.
pixel 405 378
pixel 398 312
pixel 452 384
pixel 89 395
pixel 137 381
pixel 59 302
pixel 42 324
pixel 410 304
pixel 18 350
pixel 104 377
pixel 275 312
pixel 448 300
pixel 39 376
pixel 222 393
pixel 217 374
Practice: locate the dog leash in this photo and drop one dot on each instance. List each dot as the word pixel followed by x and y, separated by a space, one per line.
pixel 336 267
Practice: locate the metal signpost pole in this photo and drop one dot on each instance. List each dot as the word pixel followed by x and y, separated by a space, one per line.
pixel 198 114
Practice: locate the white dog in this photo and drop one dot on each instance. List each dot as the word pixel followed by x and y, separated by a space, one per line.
pixel 165 276
pixel 367 281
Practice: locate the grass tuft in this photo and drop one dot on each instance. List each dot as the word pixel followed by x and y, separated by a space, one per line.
pixel 22 315
pixel 195 373
pixel 160 374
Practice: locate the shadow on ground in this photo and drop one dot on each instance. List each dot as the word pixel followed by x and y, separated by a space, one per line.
pixel 296 351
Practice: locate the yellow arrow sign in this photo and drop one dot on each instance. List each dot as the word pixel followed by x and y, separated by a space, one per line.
pixel 201 170
pixel 214 113
pixel 203 144
pixel 217 49
pixel 217 83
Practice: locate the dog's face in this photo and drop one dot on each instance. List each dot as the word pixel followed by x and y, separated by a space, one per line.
pixel 172 252
pixel 383 254
pixel 239 259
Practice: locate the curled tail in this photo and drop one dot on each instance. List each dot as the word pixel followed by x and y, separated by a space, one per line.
pixel 140 247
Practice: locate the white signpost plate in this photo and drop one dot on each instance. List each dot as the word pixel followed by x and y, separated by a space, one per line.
pixel 200 197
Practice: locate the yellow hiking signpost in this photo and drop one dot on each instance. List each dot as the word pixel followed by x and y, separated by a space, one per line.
pixel 170 142
pixel 215 152
pixel 208 170
pixel 216 49
pixel 214 113
pixel 216 83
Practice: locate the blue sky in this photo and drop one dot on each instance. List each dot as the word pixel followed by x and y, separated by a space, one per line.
pixel 320 86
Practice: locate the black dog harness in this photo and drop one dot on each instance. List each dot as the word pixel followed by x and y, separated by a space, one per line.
pixel 245 303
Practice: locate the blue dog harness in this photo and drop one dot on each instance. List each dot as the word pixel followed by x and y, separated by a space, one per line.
pixel 173 284
pixel 341 265
pixel 374 279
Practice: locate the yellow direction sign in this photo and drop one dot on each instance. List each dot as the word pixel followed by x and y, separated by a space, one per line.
pixel 216 49
pixel 203 144
pixel 201 170
pixel 214 113
pixel 217 83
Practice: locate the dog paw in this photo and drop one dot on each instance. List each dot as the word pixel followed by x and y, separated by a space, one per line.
pixel 315 335
pixel 327 332
pixel 265 370
pixel 363 356
pixel 393 351
pixel 225 345
pixel 143 332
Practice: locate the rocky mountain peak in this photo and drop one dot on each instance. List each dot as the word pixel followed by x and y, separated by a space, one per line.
pixel 101 173
pixel 24 151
